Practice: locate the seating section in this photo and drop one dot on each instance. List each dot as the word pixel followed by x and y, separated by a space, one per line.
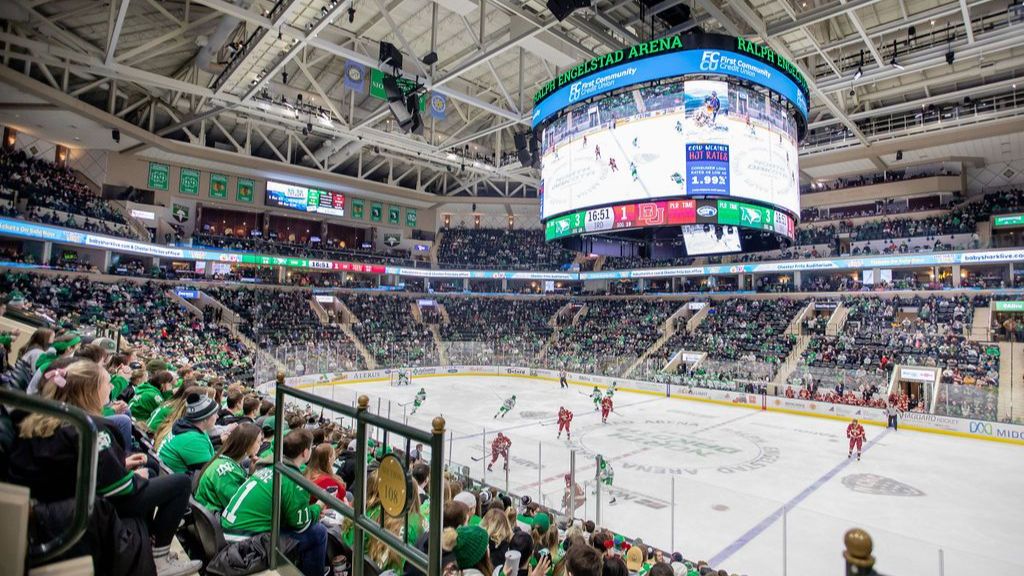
pixel 388 330
pixel 482 330
pixel 283 323
pixel 141 313
pixel 500 249
pixel 882 333
pixel 611 335
pixel 54 195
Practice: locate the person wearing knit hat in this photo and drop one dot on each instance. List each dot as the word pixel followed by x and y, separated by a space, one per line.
pixel 63 346
pixel 188 447
pixel 469 546
pixel 267 449
pixel 156 365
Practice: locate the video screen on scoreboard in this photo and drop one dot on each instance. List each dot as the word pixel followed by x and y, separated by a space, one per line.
pixel 305 199
pixel 698 242
pixel 696 137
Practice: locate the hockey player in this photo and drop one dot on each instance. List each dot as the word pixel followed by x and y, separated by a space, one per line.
pixel 606 408
pixel 418 401
pixel 499 447
pixel 855 432
pixel 605 474
pixel 679 127
pixel 596 396
pixel 506 406
pixel 562 381
pixel 611 389
pixel 597 151
pixel 584 140
pixel 632 171
pixel 635 138
pixel 564 421
pixel 612 165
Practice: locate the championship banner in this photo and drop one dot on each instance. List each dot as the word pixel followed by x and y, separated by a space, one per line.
pixel 376 212
pixel 357 208
pixel 410 217
pixel 218 186
pixel 245 189
pixel 188 181
pixel 159 176
pixel 394 215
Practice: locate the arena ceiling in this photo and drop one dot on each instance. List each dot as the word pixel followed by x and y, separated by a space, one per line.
pixel 199 71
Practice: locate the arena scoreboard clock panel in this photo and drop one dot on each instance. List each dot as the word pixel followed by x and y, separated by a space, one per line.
pixel 684 130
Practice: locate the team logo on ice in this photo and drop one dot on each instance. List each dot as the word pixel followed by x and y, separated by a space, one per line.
pixel 879 485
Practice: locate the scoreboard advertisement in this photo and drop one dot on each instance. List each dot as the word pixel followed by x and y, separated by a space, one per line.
pixel 305 199
pixel 671 213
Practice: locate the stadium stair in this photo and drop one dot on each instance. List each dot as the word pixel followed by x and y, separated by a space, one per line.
pixel 434 249
pixel 414 309
pixel 981 325
pixel 668 329
pixel 348 317
pixel 319 311
pixel 371 362
pixel 787 368
pixel 442 353
pixel 599 263
pixel 1011 370
pixel 445 320
pixel 694 322
pixel 579 315
pixel 838 320
pixel 553 321
pixel 798 319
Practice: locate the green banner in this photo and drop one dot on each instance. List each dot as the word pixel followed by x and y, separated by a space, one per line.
pixel 376 212
pixel 188 181
pixel 377 87
pixel 159 176
pixel 394 215
pixel 729 212
pixel 1008 221
pixel 218 186
pixel 756 216
pixel 410 217
pixel 357 208
pixel 245 190
pixel 564 226
pixel 1009 305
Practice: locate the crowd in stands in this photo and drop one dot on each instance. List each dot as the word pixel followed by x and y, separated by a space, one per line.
pixel 610 335
pixel 386 327
pixel 481 330
pixel 745 340
pixel 881 333
pixel 500 249
pixel 54 195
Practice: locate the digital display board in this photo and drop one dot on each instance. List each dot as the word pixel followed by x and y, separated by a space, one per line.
pixel 716 241
pixel 687 138
pixel 304 199
pixel 670 213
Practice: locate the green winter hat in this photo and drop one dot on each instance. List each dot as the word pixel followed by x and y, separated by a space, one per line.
pixel 542 522
pixel 270 422
pixel 470 546
pixel 62 345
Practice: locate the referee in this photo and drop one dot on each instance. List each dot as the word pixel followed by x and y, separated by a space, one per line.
pixel 892 412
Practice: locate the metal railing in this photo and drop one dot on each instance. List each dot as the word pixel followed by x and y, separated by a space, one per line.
pixel 85 483
pixel 430 564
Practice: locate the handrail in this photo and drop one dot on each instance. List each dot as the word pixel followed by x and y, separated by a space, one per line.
pixel 85 485
pixel 430 564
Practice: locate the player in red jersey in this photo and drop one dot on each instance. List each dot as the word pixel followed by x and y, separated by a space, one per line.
pixel 564 420
pixel 855 432
pixel 611 164
pixel 499 447
pixel 606 408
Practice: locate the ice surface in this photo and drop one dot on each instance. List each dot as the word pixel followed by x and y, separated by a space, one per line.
pixel 759 493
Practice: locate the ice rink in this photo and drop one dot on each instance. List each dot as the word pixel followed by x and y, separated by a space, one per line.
pixel 760 493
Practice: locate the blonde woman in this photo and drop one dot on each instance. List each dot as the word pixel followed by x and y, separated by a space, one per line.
pixel 45 457
pixel 175 409
pixel 500 533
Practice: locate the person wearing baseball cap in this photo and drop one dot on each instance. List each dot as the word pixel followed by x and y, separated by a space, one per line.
pixel 188 447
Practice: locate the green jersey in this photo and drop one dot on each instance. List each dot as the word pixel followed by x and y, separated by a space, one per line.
pixel 158 416
pixel 118 385
pixel 186 448
pixel 219 483
pixel 249 510
pixel 147 398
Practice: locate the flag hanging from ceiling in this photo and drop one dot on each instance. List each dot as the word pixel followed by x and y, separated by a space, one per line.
pixel 438 105
pixel 355 76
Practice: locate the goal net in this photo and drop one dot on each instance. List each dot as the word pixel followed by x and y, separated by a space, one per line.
pixel 400 377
